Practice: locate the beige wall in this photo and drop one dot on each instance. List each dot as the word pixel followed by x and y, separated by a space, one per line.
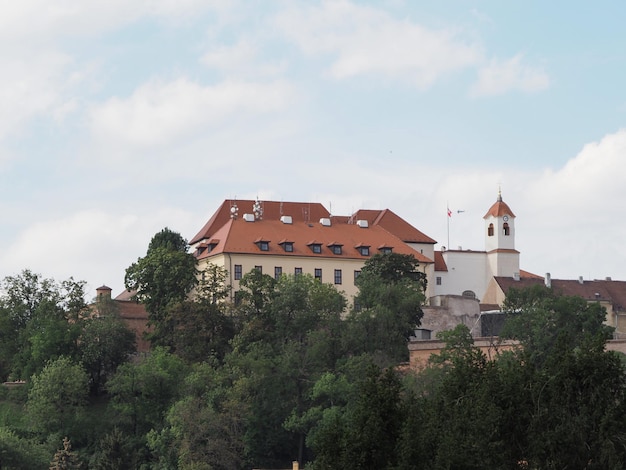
pixel 288 265
pixel 420 351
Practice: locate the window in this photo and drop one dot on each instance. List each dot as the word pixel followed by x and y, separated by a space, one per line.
pixel 364 250
pixel 297 271
pixel 490 230
pixel 259 269
pixel 337 276
pixel 386 250
pixel 356 274
pixel 438 280
pixel 336 249
pixel 316 247
pixel 264 246
pixel 288 247
pixel 505 229
pixel 238 272
pixel 318 274
pixel 278 271
pixel 238 297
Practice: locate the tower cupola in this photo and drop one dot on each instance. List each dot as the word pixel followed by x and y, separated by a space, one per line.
pixel 499 226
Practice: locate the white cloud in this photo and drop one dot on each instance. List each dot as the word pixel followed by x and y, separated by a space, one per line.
pixel 241 59
pixel 90 245
pixel 160 113
pixel 368 41
pixel 40 21
pixel 30 87
pixel 499 77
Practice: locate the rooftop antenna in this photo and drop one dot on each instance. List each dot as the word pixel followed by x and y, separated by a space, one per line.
pixel 234 210
pixel 257 209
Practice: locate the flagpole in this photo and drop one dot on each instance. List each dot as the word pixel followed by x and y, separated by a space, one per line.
pixel 448 220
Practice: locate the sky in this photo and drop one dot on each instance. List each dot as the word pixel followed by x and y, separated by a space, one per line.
pixel 120 118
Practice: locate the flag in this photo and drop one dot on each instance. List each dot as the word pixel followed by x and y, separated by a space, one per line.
pixel 449 213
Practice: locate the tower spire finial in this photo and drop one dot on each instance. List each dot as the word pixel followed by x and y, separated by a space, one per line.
pixel 499 193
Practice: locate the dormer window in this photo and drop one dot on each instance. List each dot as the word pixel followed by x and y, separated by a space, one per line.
pixel 490 230
pixel 315 247
pixel 287 246
pixel 335 248
pixel 264 245
pixel 364 250
pixel 206 247
pixel 505 229
pixel 386 250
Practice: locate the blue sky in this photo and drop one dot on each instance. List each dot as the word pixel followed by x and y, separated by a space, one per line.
pixel 120 118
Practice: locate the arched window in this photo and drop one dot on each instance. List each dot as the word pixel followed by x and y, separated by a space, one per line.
pixel 505 229
pixel 490 230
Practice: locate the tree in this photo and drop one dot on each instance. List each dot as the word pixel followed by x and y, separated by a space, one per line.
pixel 290 335
pixel 105 343
pixel 387 307
pixel 143 392
pixel 57 396
pixel 574 388
pixel 201 327
pixel 115 452
pixel 359 424
pixel 200 330
pixel 65 459
pixel 19 453
pixel 40 320
pixel 165 276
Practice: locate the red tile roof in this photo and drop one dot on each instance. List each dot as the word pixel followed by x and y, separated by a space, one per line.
pixel 239 236
pixel 272 210
pixel 440 263
pixel 613 292
pixel 393 223
pixel 526 274
pixel 498 209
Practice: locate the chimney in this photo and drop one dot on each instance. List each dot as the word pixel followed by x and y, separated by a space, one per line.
pixel 516 276
pixel 548 281
pixel 580 280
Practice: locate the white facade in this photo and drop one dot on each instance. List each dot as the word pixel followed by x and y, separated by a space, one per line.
pixel 468 271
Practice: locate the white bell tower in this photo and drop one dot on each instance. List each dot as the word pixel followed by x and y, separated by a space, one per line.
pixel 502 256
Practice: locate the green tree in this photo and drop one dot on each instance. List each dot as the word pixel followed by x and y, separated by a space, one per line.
pixel 200 330
pixel 105 343
pixel 387 307
pixel 574 403
pixel 202 327
pixel 358 421
pixel 115 452
pixel 456 422
pixel 57 397
pixel 165 276
pixel 143 392
pixel 40 320
pixel 17 453
pixel 290 334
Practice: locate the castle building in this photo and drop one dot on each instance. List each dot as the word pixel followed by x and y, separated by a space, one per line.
pixel 304 238
pixel 469 272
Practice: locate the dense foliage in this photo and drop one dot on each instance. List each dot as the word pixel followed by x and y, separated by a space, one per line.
pixel 292 373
